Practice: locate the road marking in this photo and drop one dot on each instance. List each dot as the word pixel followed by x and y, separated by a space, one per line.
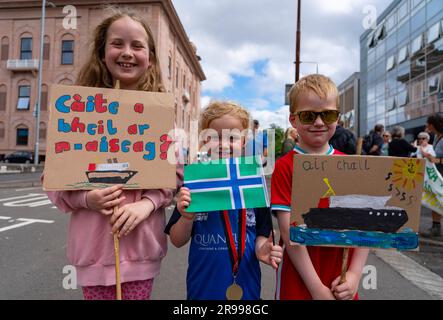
pixel 30 200
pixel 5 218
pixel 24 223
pixel 418 275
pixel 22 197
pixel 27 189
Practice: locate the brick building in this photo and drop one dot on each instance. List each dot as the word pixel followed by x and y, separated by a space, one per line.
pixel 69 26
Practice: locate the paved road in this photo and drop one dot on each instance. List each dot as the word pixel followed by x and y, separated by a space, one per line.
pixel 33 246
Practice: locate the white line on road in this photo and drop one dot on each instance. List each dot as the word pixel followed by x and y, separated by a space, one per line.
pixel 25 223
pixel 421 277
pixel 27 189
pixel 5 218
pixel 29 195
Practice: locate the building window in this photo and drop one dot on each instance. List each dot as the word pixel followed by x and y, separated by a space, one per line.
pixel 169 67
pixel 5 49
pixel 176 77
pixel 26 49
pixel 2 130
pixel 390 63
pixel 24 96
pixel 390 104
pixel 2 98
pixel 381 33
pixel 372 42
pixel 42 131
pixel 417 44
pixel 390 22
pixel 68 52
pixel 44 99
pixel 434 84
pixel 184 81
pixel 403 54
pixel 434 32
pixel 402 98
pixel 46 48
pixel 22 136
pixel 415 3
pixel 403 11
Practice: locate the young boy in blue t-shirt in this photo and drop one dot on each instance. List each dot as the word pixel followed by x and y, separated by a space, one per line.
pixel 218 238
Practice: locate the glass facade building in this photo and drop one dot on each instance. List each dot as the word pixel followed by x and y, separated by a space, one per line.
pixel 402 67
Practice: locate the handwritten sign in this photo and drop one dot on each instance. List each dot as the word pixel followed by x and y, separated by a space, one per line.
pixel 355 201
pixel 99 137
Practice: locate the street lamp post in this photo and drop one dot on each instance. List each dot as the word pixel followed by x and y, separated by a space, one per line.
pixel 39 97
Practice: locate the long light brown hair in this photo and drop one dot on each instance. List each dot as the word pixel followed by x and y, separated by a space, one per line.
pixel 95 73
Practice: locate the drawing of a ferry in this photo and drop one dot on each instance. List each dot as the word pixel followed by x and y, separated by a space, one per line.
pixel 110 173
pixel 356 212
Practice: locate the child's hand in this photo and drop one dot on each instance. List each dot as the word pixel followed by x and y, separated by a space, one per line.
pixel 346 290
pixel 269 253
pixel 104 200
pixel 184 200
pixel 130 215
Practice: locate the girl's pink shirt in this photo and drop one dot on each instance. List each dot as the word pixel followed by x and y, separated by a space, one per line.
pixel 91 245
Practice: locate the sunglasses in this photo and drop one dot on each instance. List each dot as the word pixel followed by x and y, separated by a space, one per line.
pixel 309 117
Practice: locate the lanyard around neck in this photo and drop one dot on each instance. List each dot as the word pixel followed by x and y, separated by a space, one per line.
pixel 235 255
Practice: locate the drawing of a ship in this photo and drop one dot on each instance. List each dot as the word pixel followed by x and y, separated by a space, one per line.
pixel 356 212
pixel 112 172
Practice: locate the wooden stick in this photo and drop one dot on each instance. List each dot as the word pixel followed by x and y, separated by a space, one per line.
pixel 344 266
pixel 118 286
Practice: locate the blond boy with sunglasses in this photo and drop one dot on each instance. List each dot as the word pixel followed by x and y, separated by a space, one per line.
pixel 311 272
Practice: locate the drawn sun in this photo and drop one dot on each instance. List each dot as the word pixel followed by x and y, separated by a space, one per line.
pixel 407 173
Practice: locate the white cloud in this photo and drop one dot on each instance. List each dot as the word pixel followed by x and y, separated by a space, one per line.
pixel 231 36
pixel 280 117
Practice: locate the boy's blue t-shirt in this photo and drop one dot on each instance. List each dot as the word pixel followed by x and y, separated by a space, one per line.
pixel 209 265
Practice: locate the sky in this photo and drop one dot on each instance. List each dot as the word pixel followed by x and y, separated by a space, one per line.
pixel 248 47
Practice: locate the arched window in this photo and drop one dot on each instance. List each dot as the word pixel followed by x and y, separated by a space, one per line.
pixel 24 95
pixel 26 47
pixel 67 57
pixel 5 49
pixel 42 131
pixel 22 135
pixel 2 97
pixel 2 131
pixel 46 48
pixel 44 98
pixel 66 81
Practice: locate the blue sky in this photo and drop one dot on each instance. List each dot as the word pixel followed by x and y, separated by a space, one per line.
pixel 248 46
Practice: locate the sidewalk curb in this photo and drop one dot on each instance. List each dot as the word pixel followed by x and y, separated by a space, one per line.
pixel 429 242
pixel 20 184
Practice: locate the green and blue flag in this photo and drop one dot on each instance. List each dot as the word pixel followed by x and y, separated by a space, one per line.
pixel 226 184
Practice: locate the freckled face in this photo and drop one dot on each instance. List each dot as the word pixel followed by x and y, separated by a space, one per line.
pixel 230 128
pixel 127 52
pixel 314 137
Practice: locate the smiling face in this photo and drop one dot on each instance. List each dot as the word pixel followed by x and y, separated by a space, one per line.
pixel 127 52
pixel 314 138
pixel 230 142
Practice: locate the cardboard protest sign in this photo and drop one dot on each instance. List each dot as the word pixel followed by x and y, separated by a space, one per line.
pixel 99 137
pixel 354 201
pixel 226 184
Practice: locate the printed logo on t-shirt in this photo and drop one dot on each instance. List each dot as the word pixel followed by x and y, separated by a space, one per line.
pixel 250 217
pixel 201 216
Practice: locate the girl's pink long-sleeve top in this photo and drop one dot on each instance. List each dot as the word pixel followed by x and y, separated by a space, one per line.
pixel 91 245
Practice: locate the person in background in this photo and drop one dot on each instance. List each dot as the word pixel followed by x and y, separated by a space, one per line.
pixel 399 147
pixel 435 125
pixel 343 140
pixel 291 138
pixel 423 144
pixel 258 143
pixel 385 146
pixel 373 141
